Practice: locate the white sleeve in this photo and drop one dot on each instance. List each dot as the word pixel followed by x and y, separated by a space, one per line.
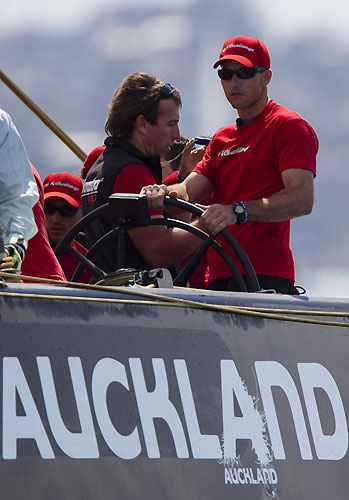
pixel 18 189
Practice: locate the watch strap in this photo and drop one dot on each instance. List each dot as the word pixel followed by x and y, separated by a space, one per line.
pixel 241 215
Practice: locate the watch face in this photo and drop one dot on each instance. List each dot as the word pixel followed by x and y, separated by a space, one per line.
pixel 239 209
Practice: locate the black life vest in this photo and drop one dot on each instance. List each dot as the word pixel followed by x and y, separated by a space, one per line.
pixel 118 154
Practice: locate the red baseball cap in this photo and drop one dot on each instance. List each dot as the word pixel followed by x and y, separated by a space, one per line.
pixel 92 157
pixel 246 50
pixel 63 185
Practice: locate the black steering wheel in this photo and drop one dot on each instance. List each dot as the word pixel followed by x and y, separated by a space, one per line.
pixel 142 219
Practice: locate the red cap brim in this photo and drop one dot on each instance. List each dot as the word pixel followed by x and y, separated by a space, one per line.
pixel 66 197
pixel 241 59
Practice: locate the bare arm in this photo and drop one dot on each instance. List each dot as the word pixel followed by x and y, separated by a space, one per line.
pixel 196 187
pixel 295 200
pixel 161 246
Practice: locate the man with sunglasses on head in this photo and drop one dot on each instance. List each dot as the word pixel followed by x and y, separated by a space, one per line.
pixel 142 125
pixel 62 207
pixel 260 169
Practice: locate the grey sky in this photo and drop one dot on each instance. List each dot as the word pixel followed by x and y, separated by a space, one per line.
pixel 282 18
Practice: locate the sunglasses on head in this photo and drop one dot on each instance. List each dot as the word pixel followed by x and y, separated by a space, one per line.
pixel 243 73
pixel 65 211
pixel 165 91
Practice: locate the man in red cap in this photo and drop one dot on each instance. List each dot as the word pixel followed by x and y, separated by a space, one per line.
pixel 62 194
pixel 260 169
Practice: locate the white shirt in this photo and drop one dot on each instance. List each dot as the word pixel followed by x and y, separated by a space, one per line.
pixel 18 189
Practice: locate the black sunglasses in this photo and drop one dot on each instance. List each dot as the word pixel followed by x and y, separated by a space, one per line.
pixel 243 73
pixel 65 211
pixel 165 91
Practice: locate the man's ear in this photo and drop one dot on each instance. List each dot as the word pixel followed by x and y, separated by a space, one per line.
pixel 267 76
pixel 141 124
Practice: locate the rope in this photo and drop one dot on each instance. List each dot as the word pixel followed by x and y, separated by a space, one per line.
pixel 161 300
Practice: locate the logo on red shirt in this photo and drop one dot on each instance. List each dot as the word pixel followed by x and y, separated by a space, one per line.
pixel 230 152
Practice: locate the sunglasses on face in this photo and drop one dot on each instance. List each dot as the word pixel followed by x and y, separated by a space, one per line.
pixel 243 73
pixel 65 211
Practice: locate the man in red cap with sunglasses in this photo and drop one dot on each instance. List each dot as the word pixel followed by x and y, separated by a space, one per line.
pixel 260 169
pixel 62 207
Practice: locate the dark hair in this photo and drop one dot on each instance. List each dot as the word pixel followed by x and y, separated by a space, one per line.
pixel 135 96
